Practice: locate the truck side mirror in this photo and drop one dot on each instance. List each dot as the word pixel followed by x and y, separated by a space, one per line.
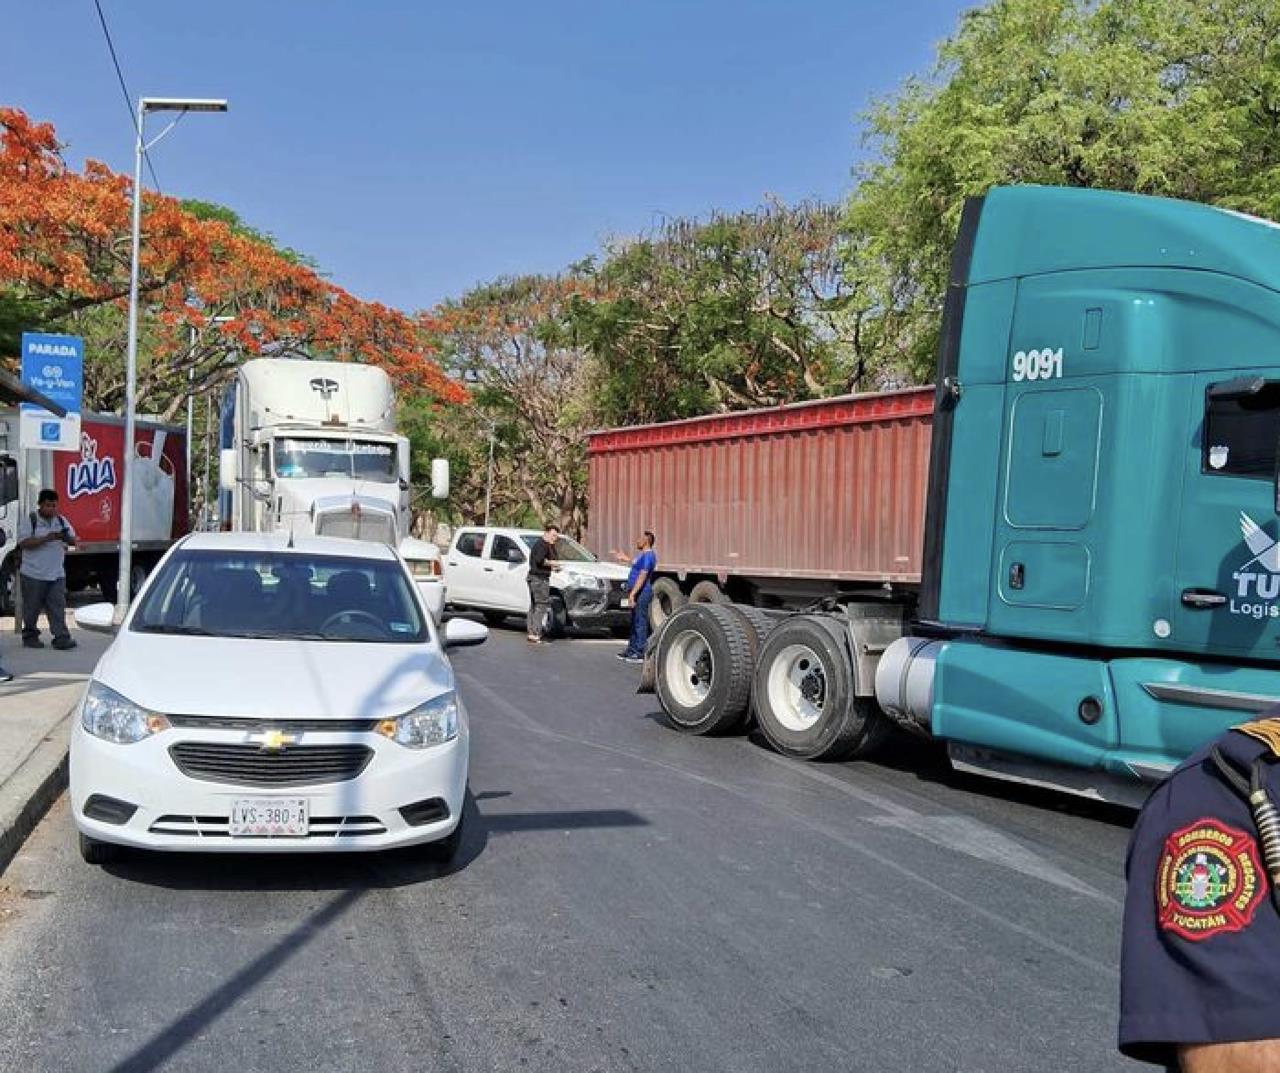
pixel 228 467
pixel 439 478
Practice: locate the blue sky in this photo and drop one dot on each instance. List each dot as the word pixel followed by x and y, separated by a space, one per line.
pixel 416 149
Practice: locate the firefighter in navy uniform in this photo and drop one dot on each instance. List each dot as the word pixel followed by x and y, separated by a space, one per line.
pixel 1200 965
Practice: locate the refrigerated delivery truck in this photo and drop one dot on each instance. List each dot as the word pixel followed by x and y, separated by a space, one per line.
pixel 1063 561
pixel 89 483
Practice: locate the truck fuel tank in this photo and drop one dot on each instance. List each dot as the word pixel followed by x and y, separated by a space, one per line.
pixel 904 682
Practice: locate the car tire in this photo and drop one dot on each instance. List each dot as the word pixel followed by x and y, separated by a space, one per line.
pixel 804 696
pixel 667 600
pixel 704 660
pixel 445 849
pixel 558 620
pixel 707 592
pixel 92 851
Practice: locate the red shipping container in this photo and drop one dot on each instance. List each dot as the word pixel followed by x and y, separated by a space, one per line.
pixel 831 490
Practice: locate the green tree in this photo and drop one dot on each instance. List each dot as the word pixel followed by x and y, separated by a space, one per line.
pixel 512 343
pixel 1173 97
pixel 740 310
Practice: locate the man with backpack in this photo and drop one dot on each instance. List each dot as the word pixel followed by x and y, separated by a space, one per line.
pixel 44 536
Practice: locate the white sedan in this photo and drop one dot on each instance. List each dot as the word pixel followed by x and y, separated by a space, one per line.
pixel 265 695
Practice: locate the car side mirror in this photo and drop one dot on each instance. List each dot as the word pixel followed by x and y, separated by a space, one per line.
pixel 462 633
pixel 100 618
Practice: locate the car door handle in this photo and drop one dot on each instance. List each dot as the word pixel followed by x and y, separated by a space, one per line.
pixel 1202 599
pixel 488 569
pixel 453 562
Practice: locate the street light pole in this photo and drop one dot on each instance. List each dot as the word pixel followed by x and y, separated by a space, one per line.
pixel 124 570
pixel 191 405
pixel 488 484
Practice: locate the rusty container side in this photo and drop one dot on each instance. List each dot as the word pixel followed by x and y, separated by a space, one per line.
pixel 833 489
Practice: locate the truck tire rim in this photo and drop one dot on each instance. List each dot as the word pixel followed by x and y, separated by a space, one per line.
pixel 689 669
pixel 797 688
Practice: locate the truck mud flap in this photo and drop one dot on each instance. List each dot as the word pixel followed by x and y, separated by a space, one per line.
pixel 649 671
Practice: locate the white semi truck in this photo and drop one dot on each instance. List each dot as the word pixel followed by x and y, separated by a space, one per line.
pixel 311 447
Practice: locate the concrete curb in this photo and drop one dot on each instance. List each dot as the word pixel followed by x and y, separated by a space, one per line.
pixel 27 795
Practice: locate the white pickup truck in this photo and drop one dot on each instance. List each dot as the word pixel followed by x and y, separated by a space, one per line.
pixel 485 570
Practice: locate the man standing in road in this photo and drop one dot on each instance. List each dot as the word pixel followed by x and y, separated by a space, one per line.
pixel 541 563
pixel 44 537
pixel 640 595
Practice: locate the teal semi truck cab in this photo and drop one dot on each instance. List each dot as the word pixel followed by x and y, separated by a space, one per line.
pixel 1101 578
pixel 1098 589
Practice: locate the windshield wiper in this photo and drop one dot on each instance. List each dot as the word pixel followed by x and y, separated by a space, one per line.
pixel 183 631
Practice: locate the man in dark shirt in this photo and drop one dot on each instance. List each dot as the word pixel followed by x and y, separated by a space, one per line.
pixel 1200 961
pixel 541 562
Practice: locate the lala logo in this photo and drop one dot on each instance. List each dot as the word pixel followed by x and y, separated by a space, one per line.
pixel 91 474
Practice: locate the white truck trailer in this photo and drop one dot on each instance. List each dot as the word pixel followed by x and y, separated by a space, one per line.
pixel 312 447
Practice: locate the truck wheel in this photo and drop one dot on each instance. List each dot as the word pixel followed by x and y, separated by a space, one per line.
pixel 137 578
pixel 804 697
pixel 761 621
pixel 109 588
pixel 707 592
pixel 667 600
pixel 704 669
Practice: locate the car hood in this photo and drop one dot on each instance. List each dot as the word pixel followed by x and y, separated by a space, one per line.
pixel 608 571
pixel 273 679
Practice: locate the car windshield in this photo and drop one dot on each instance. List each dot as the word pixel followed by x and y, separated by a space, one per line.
pixel 280 595
pixel 366 460
pixel 567 551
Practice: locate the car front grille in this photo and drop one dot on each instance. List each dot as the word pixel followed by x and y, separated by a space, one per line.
pixel 218 827
pixel 250 765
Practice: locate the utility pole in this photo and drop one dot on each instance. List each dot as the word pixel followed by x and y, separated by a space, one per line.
pixel 124 569
pixel 488 484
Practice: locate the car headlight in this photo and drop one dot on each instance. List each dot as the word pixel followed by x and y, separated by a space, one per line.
pixel 425 569
pixel 433 723
pixel 578 580
pixel 111 717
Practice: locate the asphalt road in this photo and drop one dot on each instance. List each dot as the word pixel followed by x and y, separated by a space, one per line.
pixel 626 899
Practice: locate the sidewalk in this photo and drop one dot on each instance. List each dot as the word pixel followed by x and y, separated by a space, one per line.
pixel 35 711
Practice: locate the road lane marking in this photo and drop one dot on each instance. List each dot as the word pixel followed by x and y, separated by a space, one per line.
pixel 954 831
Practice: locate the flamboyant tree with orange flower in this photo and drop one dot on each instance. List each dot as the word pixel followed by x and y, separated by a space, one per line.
pixel 64 265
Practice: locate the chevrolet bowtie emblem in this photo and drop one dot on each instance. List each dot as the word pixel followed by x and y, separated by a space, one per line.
pixel 272 741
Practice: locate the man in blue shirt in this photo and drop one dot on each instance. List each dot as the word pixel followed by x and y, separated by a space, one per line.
pixel 640 594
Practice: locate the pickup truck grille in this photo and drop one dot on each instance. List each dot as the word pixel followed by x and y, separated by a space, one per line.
pixel 249 765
